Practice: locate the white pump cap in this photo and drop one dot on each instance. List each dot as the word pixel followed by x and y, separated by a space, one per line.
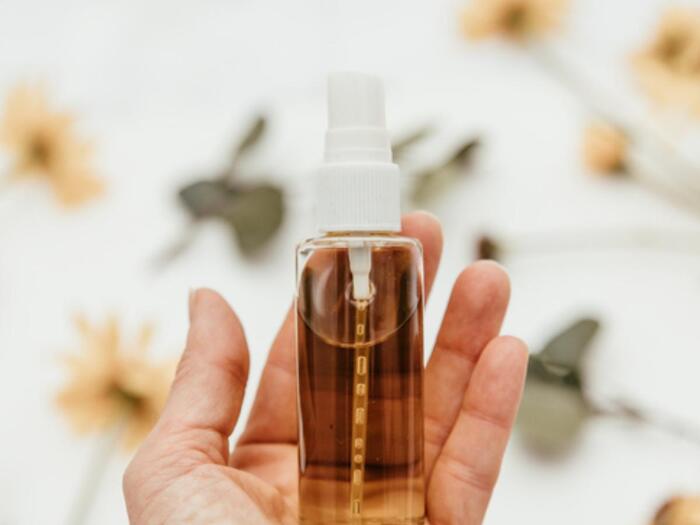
pixel 358 184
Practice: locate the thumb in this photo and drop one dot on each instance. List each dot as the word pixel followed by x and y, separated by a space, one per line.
pixel 208 389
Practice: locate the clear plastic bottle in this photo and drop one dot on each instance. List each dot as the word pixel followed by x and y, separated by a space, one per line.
pixel 359 315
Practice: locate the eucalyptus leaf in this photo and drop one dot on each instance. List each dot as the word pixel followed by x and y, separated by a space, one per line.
pixel 559 375
pixel 551 416
pixel 255 215
pixel 435 181
pixel 554 407
pixel 205 198
pixel 428 184
pixel 566 350
pixel 463 154
pixel 250 138
pixel 401 146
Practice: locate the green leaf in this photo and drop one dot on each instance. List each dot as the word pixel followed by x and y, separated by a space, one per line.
pixel 255 215
pixel 538 369
pixel 250 138
pixel 565 351
pixel 205 198
pixel 435 181
pixel 406 142
pixel 554 407
pixel 551 416
pixel 462 155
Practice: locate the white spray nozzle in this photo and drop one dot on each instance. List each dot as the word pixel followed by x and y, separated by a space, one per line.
pixel 357 184
pixel 355 100
pixel 356 124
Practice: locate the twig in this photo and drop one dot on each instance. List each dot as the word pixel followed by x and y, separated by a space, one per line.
pixel 604 240
pixel 641 135
pixel 90 483
pixel 176 249
pixel 670 425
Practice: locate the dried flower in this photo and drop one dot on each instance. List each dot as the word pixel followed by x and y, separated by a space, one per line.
pixel 669 67
pixel 43 144
pixel 113 383
pixel 514 19
pixel 679 511
pixel 605 148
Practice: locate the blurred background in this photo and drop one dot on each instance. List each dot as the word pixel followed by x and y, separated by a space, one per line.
pixel 147 148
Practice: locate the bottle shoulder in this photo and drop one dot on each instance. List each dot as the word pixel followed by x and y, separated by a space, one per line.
pixel 347 241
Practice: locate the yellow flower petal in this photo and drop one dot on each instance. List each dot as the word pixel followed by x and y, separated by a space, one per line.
pixel 43 144
pixel 679 511
pixel 604 148
pixel 112 383
pixel 668 68
pixel 514 19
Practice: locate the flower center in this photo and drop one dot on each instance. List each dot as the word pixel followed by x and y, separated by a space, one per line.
pixel 39 151
pixel 671 47
pixel 130 399
pixel 515 18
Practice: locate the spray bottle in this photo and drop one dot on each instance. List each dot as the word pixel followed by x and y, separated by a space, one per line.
pixel 359 325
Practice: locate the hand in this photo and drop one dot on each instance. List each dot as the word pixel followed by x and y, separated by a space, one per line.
pixel 184 472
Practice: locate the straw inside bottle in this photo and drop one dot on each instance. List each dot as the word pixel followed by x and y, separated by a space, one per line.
pixel 360 266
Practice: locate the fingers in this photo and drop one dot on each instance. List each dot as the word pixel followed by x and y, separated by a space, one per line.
pixel 474 315
pixel 273 416
pixel 207 393
pixel 467 468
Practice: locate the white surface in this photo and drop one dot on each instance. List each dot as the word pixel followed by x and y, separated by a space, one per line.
pixel 163 87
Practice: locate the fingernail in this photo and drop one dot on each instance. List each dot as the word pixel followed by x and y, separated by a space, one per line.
pixel 190 302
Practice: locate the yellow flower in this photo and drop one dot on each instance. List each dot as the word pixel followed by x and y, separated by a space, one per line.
pixel 679 511
pixel 113 383
pixel 43 144
pixel 605 148
pixel 669 67
pixel 514 19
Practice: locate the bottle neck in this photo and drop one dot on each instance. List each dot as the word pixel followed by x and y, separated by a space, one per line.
pixel 358 197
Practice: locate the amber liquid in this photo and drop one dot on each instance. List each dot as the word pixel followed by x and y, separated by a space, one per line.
pixel 360 390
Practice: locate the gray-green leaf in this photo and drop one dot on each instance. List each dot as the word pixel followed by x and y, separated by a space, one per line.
pixel 554 407
pixel 551 416
pixel 566 350
pixel 435 181
pixel 250 138
pixel 205 198
pixel 406 142
pixel 255 214
pixel 462 155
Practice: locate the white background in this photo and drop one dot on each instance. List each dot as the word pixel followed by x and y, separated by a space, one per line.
pixel 163 88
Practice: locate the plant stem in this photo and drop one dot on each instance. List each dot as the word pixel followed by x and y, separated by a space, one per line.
pixel 642 136
pixel 553 243
pixel 626 410
pixel 176 249
pixel 97 466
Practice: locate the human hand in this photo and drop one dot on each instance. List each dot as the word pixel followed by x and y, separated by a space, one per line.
pixel 184 472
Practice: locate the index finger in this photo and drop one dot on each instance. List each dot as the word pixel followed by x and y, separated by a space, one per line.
pixel 467 469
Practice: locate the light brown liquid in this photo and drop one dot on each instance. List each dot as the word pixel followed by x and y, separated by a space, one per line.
pixel 364 469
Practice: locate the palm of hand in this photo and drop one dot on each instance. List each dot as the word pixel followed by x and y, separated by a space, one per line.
pixel 209 492
pixel 184 472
